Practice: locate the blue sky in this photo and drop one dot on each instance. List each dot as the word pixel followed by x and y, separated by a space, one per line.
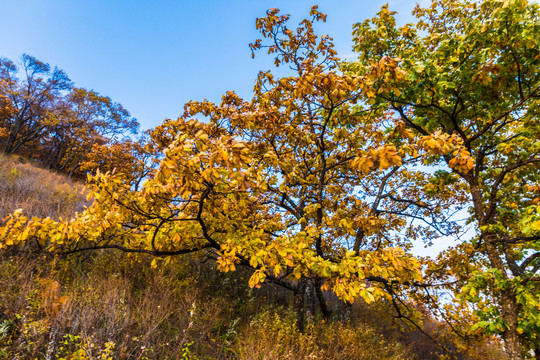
pixel 153 56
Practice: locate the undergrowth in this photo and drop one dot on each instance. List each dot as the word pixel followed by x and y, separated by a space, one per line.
pixel 103 307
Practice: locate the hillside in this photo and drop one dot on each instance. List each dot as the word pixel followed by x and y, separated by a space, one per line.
pixel 37 191
pixel 284 224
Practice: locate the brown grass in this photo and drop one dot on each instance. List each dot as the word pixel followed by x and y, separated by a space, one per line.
pixel 63 306
pixel 103 304
pixel 271 337
pixel 37 191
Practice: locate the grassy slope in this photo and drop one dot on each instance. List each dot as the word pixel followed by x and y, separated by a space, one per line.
pixel 109 305
pixel 37 191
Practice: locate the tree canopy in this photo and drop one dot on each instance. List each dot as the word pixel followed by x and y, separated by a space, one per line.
pixel 470 72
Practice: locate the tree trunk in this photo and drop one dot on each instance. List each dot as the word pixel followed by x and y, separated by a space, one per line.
pixel 346 312
pixel 8 147
pixel 508 303
pixel 310 301
pixel 299 308
pixel 509 313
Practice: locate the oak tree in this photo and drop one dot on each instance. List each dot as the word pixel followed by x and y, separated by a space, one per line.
pixel 301 184
pixel 469 71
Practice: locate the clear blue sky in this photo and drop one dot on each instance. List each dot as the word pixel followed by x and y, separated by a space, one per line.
pixel 153 56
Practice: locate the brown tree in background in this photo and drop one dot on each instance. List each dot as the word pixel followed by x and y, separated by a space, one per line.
pixel 45 118
pixel 30 99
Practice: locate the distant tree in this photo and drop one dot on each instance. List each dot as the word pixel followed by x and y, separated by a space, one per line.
pixel 81 121
pixel 132 160
pixel 45 118
pixel 6 111
pixel 30 98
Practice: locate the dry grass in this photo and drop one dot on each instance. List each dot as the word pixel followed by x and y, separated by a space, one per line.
pixel 106 305
pixel 37 191
pixel 60 307
pixel 271 337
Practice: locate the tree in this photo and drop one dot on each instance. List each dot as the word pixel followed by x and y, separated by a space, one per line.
pixel 299 184
pixel 82 122
pixel 45 118
pixel 29 99
pixel 469 71
pixel 6 111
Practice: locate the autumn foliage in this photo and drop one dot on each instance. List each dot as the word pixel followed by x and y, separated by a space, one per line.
pixel 45 118
pixel 323 181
